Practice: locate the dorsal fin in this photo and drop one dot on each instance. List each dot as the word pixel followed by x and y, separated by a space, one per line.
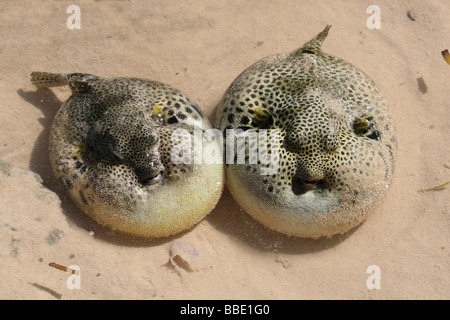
pixel 314 45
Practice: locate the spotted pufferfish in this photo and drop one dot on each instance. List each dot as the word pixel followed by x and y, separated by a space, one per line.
pixel 333 155
pixel 112 146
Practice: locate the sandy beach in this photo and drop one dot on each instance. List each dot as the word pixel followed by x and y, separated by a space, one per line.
pixel 200 47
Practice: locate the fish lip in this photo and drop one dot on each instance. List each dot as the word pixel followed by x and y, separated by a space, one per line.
pixel 301 184
pixel 310 184
pixel 152 180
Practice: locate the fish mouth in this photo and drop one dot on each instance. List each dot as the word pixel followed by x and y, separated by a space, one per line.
pixel 150 180
pixel 301 185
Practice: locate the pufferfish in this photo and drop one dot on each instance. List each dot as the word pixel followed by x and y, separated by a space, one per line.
pixel 327 131
pixel 124 150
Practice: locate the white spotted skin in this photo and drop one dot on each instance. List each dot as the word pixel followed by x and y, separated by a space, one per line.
pixel 111 146
pixel 337 142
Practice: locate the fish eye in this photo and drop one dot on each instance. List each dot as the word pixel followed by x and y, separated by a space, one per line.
pixel 262 119
pixel 363 127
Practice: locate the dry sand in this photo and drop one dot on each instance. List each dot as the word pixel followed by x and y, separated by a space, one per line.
pixel 200 47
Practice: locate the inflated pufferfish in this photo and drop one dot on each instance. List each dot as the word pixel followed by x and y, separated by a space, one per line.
pixel 329 136
pixel 122 149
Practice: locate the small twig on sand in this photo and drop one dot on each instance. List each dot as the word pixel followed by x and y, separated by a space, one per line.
pixel 440 187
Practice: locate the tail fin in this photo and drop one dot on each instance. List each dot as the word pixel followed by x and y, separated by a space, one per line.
pixel 47 79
